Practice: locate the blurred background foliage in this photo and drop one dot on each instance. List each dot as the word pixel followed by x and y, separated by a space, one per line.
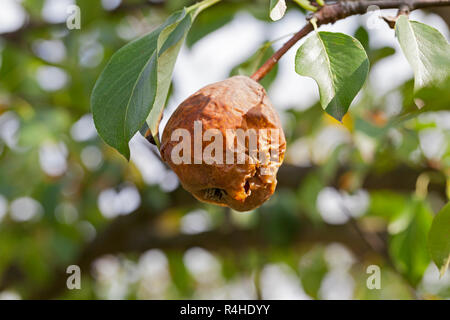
pixel 350 195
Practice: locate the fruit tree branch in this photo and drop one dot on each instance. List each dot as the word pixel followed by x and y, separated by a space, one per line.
pixel 331 13
pixel 139 231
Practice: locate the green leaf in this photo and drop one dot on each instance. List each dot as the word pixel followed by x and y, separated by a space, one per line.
pixel 363 37
pixel 439 239
pixel 250 65
pixel 126 89
pixel 408 248
pixel 312 269
pixel 379 54
pixel 169 44
pixel 277 9
pixel 374 55
pixel 388 205
pixel 426 50
pixel 339 65
pixel 134 84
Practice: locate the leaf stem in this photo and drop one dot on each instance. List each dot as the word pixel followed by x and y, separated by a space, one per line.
pixel 305 4
pixel 331 13
pixel 202 5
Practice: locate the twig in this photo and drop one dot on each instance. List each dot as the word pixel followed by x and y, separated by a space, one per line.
pixel 331 13
pixel 269 64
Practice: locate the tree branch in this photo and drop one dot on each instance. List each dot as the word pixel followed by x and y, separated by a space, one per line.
pixel 331 13
pixel 133 234
pixel 401 178
pixel 139 231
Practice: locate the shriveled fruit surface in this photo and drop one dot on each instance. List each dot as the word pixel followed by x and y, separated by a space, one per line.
pixel 235 103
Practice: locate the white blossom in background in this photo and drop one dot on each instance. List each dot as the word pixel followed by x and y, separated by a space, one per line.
pixel 53 158
pixel 51 78
pixel 107 203
pixel 279 282
pixel 55 11
pixel 299 152
pixel 153 270
pixel 12 16
pixel 9 295
pixel 396 137
pixel 84 129
pixel 126 31
pixel 337 285
pixel 366 146
pixel 202 265
pixel 3 207
pixel 238 288
pixel 50 50
pixel 9 129
pixel 110 4
pixel 357 203
pixel 90 52
pixel 394 102
pixel 111 279
pixel 153 262
pixel 196 221
pixel 106 267
pixel 242 288
pixel 327 140
pixel 91 55
pixel 335 207
pixel 416 155
pixel 152 169
pixel 433 143
pixel 432 282
pixel 339 257
pixel 92 157
pixel 113 203
pixel 329 204
pixel 440 118
pixel 170 181
pixel 131 270
pixel 25 209
pixel 206 270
